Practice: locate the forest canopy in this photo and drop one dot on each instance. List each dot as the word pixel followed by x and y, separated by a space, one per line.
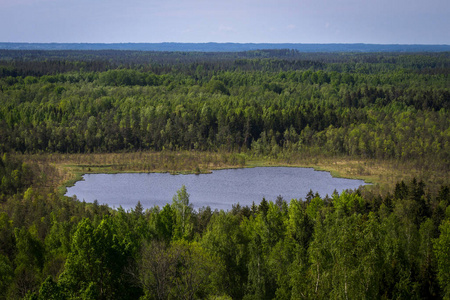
pixel 370 105
pixel 386 107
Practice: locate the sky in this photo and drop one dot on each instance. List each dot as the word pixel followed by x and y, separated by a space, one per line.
pixel 238 21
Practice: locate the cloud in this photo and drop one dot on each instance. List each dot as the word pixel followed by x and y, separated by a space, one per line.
pixel 291 26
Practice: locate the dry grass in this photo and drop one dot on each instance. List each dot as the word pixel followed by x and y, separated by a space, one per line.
pixel 383 174
pixel 62 170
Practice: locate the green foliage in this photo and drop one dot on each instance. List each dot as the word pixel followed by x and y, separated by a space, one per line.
pixel 442 252
pixel 183 227
pixel 180 270
pixel 164 223
pixel 50 290
pixel 225 240
pixel 217 86
pixel 268 103
pixel 389 107
pixel 348 203
pixel 314 207
pixel 6 275
pixel 343 247
pixel 96 265
pixel 15 176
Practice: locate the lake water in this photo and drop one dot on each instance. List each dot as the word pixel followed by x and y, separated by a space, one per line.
pixel 220 189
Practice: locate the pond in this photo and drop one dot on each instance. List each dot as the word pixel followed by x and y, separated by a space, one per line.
pixel 220 189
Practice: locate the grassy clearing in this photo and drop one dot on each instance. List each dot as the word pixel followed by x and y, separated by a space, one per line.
pixel 63 170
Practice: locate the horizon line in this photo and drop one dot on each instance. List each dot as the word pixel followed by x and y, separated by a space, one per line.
pixel 242 43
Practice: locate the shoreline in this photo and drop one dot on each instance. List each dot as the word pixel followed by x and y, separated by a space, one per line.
pixel 220 189
pixel 381 174
pixel 62 190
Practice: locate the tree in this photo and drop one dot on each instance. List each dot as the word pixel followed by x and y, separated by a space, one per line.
pixel 97 264
pixel 50 290
pixel 196 272
pixel 29 261
pixel 442 252
pixel 157 268
pixel 6 275
pixel 164 223
pixel 180 270
pixel 299 232
pixel 217 86
pixel 225 239
pixel 183 211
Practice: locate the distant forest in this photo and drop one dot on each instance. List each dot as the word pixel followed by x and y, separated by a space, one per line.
pixel 269 104
pixel 227 47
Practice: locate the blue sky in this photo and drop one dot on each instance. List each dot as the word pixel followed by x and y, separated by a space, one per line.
pixel 240 21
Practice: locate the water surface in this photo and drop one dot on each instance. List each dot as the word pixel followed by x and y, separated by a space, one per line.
pixel 220 189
